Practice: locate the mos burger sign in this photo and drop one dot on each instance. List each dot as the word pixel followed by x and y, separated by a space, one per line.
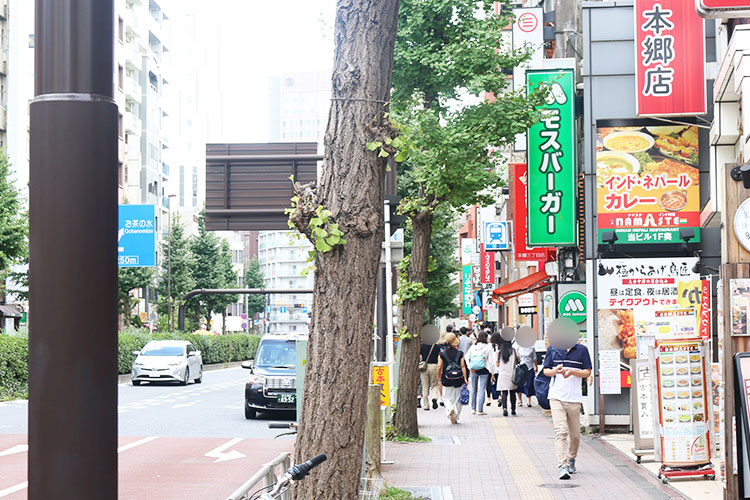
pixel 723 8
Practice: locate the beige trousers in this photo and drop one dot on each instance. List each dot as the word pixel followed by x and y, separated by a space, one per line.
pixel 429 384
pixel 566 417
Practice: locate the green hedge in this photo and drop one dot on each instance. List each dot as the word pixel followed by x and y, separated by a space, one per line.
pixel 14 369
pixel 14 354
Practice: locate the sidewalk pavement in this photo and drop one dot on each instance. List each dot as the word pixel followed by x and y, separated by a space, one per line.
pixel 494 457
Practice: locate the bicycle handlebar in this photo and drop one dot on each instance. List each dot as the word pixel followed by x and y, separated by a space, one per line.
pixel 300 471
pixel 281 425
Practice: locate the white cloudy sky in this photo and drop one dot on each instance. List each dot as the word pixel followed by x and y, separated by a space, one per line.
pixel 246 42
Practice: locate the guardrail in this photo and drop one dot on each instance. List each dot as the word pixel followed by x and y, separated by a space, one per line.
pixel 266 476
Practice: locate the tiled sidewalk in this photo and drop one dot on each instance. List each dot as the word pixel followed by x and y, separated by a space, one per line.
pixel 494 457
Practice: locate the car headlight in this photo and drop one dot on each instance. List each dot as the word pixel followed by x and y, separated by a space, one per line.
pixel 256 379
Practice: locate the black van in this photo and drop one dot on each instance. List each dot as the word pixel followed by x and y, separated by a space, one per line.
pixel 272 385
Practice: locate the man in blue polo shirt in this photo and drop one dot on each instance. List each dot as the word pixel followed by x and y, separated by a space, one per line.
pixel 566 369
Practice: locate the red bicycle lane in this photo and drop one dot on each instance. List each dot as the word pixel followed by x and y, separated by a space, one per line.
pixel 161 468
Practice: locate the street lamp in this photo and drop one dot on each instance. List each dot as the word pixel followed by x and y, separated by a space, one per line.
pixel 170 314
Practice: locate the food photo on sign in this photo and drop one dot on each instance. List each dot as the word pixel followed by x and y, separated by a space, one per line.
pixel 638 301
pixel 648 182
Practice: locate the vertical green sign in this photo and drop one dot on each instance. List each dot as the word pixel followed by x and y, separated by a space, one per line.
pixel 466 290
pixel 552 165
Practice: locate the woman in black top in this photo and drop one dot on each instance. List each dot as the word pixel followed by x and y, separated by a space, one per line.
pixel 452 376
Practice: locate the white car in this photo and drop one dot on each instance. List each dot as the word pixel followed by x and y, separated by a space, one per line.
pixel 168 361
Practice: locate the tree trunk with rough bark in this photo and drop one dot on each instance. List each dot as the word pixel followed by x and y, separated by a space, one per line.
pixel 405 417
pixel 351 186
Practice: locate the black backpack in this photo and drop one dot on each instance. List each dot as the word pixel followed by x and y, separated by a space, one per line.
pixel 452 371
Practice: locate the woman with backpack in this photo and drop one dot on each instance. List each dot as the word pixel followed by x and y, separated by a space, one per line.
pixel 506 366
pixel 478 359
pixel 451 373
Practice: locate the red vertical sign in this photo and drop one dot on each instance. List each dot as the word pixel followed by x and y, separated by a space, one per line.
pixel 487 263
pixel 520 219
pixel 705 319
pixel 669 58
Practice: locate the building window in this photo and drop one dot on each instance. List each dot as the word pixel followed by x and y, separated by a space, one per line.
pixel 120 174
pixel 120 77
pixel 182 185
pixel 120 29
pixel 120 128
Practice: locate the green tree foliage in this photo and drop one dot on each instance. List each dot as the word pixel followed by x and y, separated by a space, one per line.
pixel 254 279
pixel 129 278
pixel 443 267
pixel 227 279
pixel 182 265
pixel 14 226
pixel 205 248
pixel 451 98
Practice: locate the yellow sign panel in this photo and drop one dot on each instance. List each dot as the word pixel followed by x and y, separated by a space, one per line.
pixel 380 377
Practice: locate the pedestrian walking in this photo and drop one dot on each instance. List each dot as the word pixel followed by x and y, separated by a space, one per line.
pixel 526 356
pixel 506 365
pixel 566 400
pixel 452 376
pixel 492 393
pixel 478 359
pixel 428 361
pixel 465 341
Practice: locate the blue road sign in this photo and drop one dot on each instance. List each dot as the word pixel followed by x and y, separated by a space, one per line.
pixel 136 236
pixel 268 309
pixel 496 235
pixel 282 309
pixel 304 310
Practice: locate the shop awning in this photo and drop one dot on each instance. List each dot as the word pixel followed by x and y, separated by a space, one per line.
pixel 10 312
pixel 527 284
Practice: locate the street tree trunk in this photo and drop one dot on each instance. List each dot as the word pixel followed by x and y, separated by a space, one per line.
pixel 351 186
pixel 405 417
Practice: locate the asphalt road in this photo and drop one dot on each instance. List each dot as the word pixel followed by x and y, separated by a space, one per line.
pixel 176 442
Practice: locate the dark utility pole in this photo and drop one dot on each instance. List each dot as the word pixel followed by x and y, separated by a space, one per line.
pixel 73 258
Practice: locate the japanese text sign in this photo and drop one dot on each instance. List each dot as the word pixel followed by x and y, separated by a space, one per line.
pixel 136 236
pixel 496 235
pixel 697 294
pixel 683 403
pixel 609 371
pixel 380 377
pixel 519 194
pixel 635 283
pixel 467 292
pixel 647 183
pixel 528 34
pixel 669 58
pixel 552 166
pixel 487 265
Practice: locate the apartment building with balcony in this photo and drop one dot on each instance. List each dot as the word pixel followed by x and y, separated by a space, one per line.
pixel 282 261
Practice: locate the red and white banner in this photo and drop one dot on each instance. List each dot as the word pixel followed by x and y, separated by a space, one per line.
pixel 669 58
pixel 520 219
pixel 704 329
pixel 487 264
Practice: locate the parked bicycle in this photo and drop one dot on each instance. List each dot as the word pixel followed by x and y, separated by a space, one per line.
pixel 294 473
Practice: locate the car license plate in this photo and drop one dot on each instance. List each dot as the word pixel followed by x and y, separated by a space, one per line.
pixel 154 375
pixel 286 398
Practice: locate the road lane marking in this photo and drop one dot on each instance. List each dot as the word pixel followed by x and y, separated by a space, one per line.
pixel 136 443
pixel 185 405
pixel 19 448
pixel 220 456
pixel 13 489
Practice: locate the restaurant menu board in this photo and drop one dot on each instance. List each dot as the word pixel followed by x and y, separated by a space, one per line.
pixel 664 324
pixel 683 403
pixel 647 183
